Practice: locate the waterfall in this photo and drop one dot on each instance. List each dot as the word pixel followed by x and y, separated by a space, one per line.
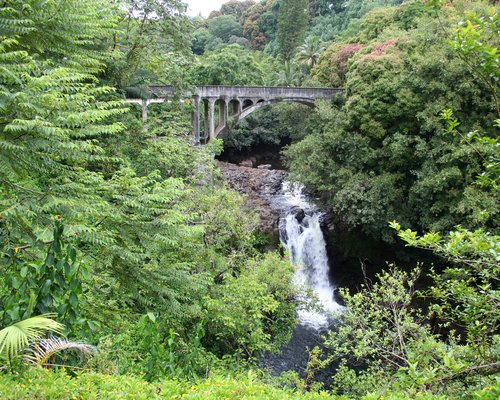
pixel 302 237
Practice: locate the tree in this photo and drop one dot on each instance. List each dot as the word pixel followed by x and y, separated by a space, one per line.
pixel 251 25
pixel 464 294
pixel 52 110
pixel 235 7
pixel 289 75
pixel 272 126
pixel 253 310
pixel 292 24
pixel 335 19
pixel 148 30
pixel 310 51
pixel 140 206
pixel 476 42
pixel 233 66
pixel 384 342
pixel 224 27
pixel 201 37
pixel 333 64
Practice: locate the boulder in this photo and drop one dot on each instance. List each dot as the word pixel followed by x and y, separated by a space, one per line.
pixel 246 163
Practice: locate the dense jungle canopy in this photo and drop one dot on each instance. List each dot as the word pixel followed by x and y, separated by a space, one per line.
pixel 130 269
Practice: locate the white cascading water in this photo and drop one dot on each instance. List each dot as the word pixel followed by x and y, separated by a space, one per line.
pixel 303 238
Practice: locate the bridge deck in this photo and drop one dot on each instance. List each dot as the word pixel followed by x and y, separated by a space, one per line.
pixel 249 91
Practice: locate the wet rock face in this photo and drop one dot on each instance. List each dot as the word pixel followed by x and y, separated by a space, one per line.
pixel 299 214
pixel 258 184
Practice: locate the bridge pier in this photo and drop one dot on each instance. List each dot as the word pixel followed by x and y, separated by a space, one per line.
pixel 211 117
pixel 196 119
pixel 205 120
pixel 223 114
pixel 144 107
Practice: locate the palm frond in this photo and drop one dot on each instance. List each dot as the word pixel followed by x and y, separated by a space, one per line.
pixel 14 338
pixel 41 351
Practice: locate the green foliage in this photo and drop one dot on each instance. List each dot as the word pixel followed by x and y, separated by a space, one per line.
pixel 52 30
pixel 53 285
pixel 335 17
pixel 396 350
pixel 235 7
pixel 276 125
pixel 233 66
pixel 476 41
pixel 260 23
pixel 178 288
pixel 152 350
pixel 140 206
pixel 15 337
pixel 333 64
pixel 465 295
pixel 292 24
pixel 224 27
pixel 386 155
pixel 199 41
pixel 289 75
pixel 305 383
pixel 180 278
pixel 58 385
pixel 152 34
pixel 377 328
pixel 251 310
pixel 310 51
pixel 52 114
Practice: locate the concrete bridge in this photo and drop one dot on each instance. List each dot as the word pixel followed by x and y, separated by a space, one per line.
pixel 218 108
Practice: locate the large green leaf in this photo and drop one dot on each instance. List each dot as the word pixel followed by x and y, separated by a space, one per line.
pixel 14 338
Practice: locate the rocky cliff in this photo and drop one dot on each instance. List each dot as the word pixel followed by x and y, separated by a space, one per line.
pixel 258 184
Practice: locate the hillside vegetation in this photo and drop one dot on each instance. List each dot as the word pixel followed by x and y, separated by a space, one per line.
pixel 130 270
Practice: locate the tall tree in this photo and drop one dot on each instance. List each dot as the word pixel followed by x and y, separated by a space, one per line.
pixel 310 51
pixel 149 33
pixel 292 25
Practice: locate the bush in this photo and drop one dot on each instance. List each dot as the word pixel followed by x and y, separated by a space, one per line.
pixel 38 384
pixel 43 384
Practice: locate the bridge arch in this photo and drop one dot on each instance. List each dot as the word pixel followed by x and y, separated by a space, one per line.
pixel 254 106
pixel 247 103
pixel 258 105
pixel 263 103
